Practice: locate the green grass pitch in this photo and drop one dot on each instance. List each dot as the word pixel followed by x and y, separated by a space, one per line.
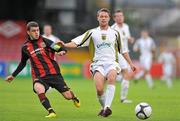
pixel 19 103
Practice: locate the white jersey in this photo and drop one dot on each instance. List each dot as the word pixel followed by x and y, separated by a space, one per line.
pixel 145 46
pixel 168 60
pixel 103 44
pixel 124 30
pixel 51 37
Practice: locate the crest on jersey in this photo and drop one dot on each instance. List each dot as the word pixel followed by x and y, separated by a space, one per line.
pixel 103 36
pixel 42 44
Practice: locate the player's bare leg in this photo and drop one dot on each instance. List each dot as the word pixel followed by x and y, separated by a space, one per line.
pixel 69 95
pixel 99 83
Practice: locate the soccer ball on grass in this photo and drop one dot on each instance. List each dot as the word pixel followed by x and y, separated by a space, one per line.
pixel 143 110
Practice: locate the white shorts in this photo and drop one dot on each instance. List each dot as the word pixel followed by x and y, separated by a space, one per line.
pixel 104 67
pixel 167 70
pixel 122 62
pixel 146 62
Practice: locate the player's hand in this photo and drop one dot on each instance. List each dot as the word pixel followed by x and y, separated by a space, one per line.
pixel 9 78
pixel 60 43
pixel 133 67
pixel 61 53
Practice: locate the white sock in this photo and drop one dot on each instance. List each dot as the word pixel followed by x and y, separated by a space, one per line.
pixel 124 89
pixel 110 90
pixel 149 80
pixel 101 100
pixel 139 75
pixel 119 78
pixel 169 82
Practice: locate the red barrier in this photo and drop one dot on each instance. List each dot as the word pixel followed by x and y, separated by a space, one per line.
pixel 12 36
pixel 156 70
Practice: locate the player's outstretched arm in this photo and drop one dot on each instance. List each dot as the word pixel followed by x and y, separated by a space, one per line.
pixel 22 64
pixel 67 45
pixel 70 45
pixel 9 78
pixel 60 43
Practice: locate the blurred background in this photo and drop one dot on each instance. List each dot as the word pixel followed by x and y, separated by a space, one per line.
pixel 70 18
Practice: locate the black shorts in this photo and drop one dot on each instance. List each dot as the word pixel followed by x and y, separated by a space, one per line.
pixel 54 81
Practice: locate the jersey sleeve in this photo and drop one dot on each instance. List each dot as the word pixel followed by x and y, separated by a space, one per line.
pixel 83 40
pixel 22 64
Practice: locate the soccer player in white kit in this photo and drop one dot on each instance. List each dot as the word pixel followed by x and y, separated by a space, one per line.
pixel 146 46
pixel 169 65
pixel 123 28
pixel 47 29
pixel 104 44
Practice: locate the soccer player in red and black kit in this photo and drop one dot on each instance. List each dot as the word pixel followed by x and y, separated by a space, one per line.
pixel 45 70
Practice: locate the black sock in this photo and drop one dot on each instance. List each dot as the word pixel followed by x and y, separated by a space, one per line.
pixel 51 110
pixel 45 102
pixel 74 98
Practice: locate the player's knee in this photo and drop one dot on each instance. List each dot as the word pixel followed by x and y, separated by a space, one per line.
pixel 67 95
pixel 111 80
pixel 111 77
pixel 39 88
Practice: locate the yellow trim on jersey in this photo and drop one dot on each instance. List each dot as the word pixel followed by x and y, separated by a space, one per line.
pixel 119 42
pixel 116 51
pixel 91 48
pixel 118 45
pixel 86 37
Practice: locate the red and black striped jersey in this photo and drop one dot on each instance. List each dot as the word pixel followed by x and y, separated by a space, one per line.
pixel 41 54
